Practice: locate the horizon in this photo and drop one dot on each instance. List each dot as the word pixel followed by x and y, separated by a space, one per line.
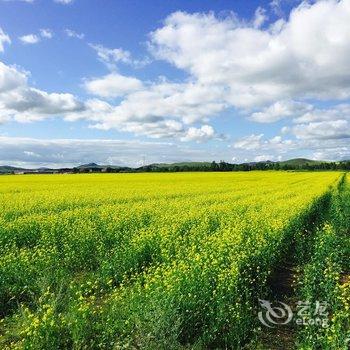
pixel 173 81
pixel 190 162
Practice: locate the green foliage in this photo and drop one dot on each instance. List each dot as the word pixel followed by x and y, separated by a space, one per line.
pixel 327 276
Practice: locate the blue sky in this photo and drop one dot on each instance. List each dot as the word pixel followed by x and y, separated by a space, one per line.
pixel 121 82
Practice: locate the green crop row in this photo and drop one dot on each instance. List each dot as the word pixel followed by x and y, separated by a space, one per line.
pixel 326 277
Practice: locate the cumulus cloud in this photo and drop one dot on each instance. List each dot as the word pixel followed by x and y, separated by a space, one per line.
pixel 333 153
pixel 27 104
pixel 105 116
pixel 280 110
pixel 29 39
pixel 335 129
pixel 11 78
pixel 4 38
pixel 251 142
pixel 202 134
pixel 340 111
pixel 155 104
pixel 267 71
pixel 256 142
pixel 261 65
pixel 322 123
pixel 19 101
pixel 112 85
pixel 230 63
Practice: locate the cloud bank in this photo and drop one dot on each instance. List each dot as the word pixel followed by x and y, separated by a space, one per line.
pixel 267 72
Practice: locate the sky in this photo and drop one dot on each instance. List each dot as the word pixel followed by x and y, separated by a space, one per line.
pixel 132 82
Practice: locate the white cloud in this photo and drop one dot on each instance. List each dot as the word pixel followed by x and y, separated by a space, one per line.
pixel 19 101
pixel 155 110
pixel 32 154
pixel 340 111
pixel 29 39
pixel 4 38
pixel 259 18
pixel 335 129
pixel 28 1
pixel 64 2
pixel 314 143
pixel 112 57
pixel 259 143
pixel 264 158
pixel 105 116
pixel 264 71
pixel 112 85
pixel 280 110
pixel 252 142
pixel 322 123
pixel 11 78
pixel 30 104
pixel 202 134
pixel 158 102
pixel 259 66
pixel 34 38
pixel 73 34
pixel 230 63
pixel 333 153
pixel 71 152
pixel 46 33
pixel 275 5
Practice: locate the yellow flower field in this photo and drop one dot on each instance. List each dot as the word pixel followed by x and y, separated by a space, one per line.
pixel 118 261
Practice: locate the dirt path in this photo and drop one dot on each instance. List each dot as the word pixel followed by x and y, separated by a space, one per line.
pixel 282 337
pixel 282 285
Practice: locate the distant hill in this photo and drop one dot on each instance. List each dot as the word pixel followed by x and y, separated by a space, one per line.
pixel 174 166
pixel 291 164
pixel 260 162
pixel 98 166
pixel 4 169
pixel 88 166
pixel 180 164
pixel 301 161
